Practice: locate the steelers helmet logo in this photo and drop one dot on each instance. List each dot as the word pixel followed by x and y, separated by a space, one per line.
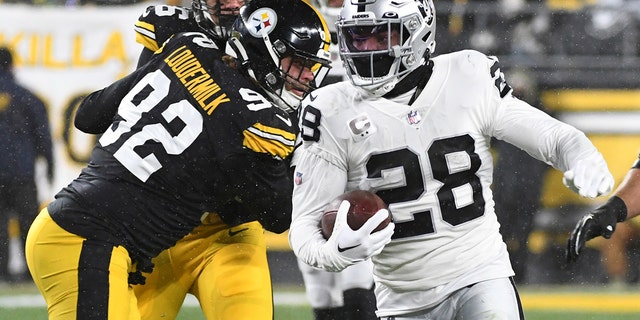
pixel 262 21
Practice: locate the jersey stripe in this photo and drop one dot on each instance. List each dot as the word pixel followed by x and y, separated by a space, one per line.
pixel 265 139
pixel 145 35
pixel 93 285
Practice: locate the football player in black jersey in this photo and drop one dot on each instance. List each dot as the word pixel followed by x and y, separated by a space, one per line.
pixel 214 257
pixel 159 22
pixel 192 134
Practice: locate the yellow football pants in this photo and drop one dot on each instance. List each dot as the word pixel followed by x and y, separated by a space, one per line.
pixel 225 268
pixel 79 278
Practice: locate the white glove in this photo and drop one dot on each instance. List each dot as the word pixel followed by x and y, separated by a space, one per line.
pixel 589 177
pixel 346 247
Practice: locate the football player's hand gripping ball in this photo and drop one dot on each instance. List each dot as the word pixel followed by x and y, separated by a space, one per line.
pixel 346 246
pixel 589 177
pixel 599 222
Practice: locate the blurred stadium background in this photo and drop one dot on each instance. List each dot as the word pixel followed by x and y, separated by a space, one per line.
pixel 581 60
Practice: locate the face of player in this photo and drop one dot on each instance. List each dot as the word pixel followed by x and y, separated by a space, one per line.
pixel 373 38
pixel 299 75
pixel 228 8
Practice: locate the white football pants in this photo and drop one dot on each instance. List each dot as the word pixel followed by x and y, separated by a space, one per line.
pixel 324 289
pixel 493 299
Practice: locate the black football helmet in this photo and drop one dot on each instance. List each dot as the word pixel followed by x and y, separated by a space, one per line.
pixel 267 31
pixel 215 20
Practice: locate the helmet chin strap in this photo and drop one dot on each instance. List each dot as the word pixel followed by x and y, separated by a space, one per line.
pixel 267 43
pixel 290 98
pixel 381 90
pixel 235 49
pixel 285 100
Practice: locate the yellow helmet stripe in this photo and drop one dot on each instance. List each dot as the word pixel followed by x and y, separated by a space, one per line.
pixel 325 28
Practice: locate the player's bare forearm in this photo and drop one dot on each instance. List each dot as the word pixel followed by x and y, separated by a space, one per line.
pixel 629 192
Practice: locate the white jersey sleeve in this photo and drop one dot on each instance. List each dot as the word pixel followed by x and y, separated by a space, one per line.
pixel 431 163
pixel 320 174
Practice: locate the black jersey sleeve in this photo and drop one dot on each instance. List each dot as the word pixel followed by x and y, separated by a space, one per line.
pixel 260 189
pixel 145 56
pixel 158 23
pixel 96 111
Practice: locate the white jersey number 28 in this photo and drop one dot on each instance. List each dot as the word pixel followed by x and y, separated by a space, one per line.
pixel 452 210
pixel 460 197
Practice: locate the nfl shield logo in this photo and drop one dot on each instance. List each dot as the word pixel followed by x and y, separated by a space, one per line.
pixel 298 178
pixel 414 117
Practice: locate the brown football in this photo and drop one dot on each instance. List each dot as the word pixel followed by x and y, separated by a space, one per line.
pixel 364 204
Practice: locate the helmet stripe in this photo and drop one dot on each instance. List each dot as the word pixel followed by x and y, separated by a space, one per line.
pixel 325 27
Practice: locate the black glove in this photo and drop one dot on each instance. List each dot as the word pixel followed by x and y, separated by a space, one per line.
pixel 600 222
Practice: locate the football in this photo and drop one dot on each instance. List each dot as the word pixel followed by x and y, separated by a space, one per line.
pixel 364 204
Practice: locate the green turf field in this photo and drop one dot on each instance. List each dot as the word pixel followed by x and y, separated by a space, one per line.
pixel 304 313
pixel 540 303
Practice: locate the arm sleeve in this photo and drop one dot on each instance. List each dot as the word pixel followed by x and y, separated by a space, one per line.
pixel 96 111
pixel 145 56
pixel 318 181
pixel 260 188
pixel 524 126
pixel 540 135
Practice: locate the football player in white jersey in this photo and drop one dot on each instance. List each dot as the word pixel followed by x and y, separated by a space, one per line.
pixel 416 129
pixel 346 295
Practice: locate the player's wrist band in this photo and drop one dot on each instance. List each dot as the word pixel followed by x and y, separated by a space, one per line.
pixel 618 206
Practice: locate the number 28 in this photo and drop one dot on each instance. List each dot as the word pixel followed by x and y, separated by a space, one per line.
pixel 409 161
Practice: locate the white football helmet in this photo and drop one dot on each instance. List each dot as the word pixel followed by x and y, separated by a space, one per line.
pixel 403 33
